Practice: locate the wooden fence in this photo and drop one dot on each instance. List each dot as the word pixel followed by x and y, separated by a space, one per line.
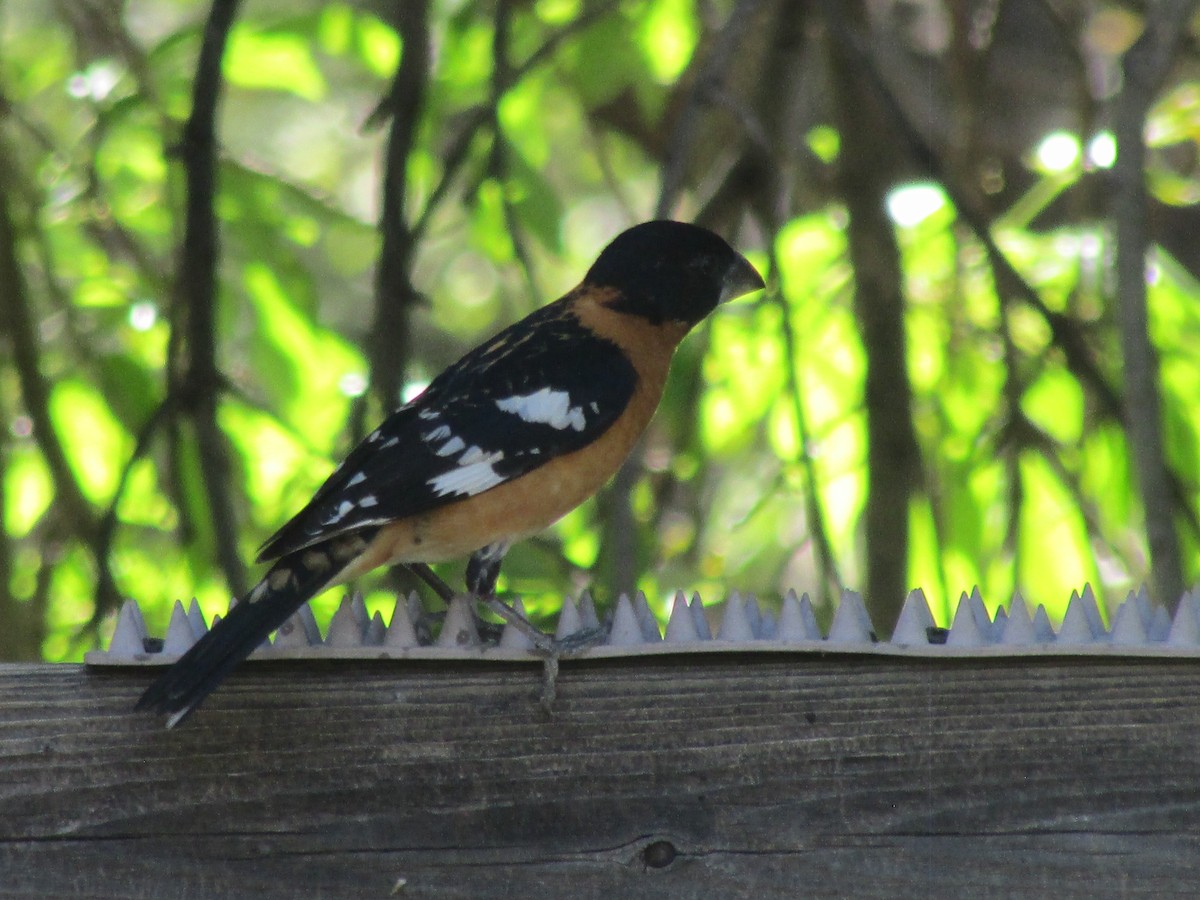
pixel 755 775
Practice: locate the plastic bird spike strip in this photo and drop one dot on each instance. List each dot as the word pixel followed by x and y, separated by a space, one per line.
pixel 1138 628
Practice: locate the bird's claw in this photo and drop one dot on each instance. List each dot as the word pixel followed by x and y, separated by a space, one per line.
pixel 551 649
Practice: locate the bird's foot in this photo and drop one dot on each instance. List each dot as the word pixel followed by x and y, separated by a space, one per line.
pixel 551 649
pixel 566 646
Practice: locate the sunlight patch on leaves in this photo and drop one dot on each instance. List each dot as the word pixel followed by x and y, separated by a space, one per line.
pixel 668 36
pixel 28 490
pixel 78 408
pixel 272 60
pixel 378 46
pixel 1054 552
pixel 309 395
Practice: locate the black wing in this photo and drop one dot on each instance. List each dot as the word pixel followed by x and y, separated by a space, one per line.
pixel 544 387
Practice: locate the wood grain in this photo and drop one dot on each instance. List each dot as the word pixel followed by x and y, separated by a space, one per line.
pixel 779 776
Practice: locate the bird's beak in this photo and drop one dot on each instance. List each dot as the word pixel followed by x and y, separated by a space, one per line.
pixel 742 278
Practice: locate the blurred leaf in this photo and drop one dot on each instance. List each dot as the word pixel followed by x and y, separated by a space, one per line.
pixel 604 63
pixel 378 46
pixel 668 35
pixel 535 202
pixel 1055 403
pixel 287 342
pixel 272 60
pixel 77 408
pixel 132 391
pixel 28 490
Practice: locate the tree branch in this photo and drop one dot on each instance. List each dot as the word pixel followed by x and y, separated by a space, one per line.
pixel 72 509
pixel 497 165
pixel 1064 331
pixel 1145 66
pixel 825 559
pixel 389 346
pixel 703 91
pixel 198 386
pixel 893 456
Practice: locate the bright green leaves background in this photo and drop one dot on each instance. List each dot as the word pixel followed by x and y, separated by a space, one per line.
pixel 513 188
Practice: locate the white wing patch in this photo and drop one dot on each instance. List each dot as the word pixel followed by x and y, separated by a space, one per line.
pixel 451 446
pixel 340 513
pixel 474 474
pixel 547 407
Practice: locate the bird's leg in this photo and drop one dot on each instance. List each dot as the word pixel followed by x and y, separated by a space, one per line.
pixel 432 579
pixel 424 624
pixel 483 568
pixel 482 571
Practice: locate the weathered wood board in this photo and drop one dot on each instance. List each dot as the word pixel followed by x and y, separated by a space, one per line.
pixel 769 775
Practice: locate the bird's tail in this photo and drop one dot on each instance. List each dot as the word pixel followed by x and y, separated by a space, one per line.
pixel 290 583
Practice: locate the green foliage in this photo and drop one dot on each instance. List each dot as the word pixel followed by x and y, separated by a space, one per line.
pixel 1027 484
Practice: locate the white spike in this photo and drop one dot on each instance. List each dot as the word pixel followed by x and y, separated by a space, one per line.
pixel 375 631
pixel 982 617
pixel 1019 630
pixel 458 628
pixel 345 628
pixel 735 623
pixel 965 630
pixel 1075 627
pixel 641 607
pixel 754 615
pixel 1160 624
pixel 769 627
pixel 626 630
pixel 401 633
pixel 196 619
pixel 999 623
pixel 587 611
pixel 569 620
pixel 179 637
pixel 416 608
pixel 791 624
pixel 1092 610
pixel 797 622
pixel 294 632
pixel 809 615
pixel 1144 607
pixel 912 628
pixel 1185 629
pixel 129 635
pixel 699 619
pixel 1041 625
pixel 513 638
pixel 681 627
pixel 311 629
pixel 358 606
pixel 851 623
pixel 1128 627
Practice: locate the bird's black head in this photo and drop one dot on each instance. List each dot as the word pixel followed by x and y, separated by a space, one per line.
pixel 672 272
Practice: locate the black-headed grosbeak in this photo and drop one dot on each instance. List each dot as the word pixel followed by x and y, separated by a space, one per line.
pixel 502 444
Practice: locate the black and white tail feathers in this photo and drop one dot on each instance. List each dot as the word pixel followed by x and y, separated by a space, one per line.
pixel 289 584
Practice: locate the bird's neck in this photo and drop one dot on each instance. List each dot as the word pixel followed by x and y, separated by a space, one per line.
pixel 635 334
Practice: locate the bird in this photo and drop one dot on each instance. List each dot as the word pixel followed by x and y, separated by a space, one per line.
pixel 499 446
